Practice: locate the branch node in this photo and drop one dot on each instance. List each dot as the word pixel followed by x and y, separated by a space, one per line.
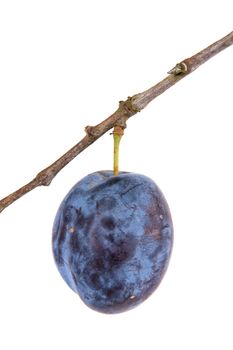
pixel 180 68
pixel 91 131
pixel 44 178
pixel 128 106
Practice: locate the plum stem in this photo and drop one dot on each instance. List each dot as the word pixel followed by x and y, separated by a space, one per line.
pixel 118 132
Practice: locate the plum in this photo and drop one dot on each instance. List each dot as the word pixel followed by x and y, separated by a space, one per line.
pixel 112 239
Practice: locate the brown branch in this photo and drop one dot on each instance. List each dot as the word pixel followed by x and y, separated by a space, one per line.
pixel 126 110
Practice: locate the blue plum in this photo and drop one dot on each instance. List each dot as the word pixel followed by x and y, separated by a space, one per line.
pixel 112 239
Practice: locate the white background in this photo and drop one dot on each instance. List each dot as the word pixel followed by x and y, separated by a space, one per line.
pixel 65 65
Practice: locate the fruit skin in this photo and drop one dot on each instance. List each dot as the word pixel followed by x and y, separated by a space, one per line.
pixel 112 239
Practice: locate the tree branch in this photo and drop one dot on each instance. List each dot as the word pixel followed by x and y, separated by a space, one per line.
pixel 126 110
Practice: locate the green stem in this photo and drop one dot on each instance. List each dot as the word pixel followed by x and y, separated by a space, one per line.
pixel 117 135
